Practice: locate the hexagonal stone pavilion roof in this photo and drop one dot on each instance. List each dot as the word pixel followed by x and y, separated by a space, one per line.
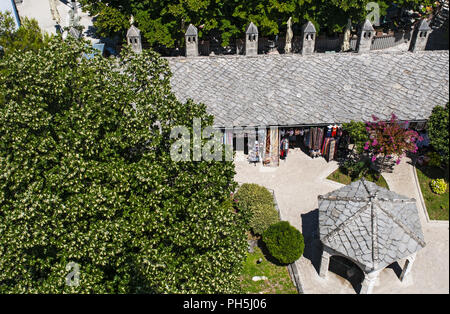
pixel 370 225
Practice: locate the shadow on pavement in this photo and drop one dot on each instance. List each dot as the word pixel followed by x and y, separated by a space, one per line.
pixel 310 230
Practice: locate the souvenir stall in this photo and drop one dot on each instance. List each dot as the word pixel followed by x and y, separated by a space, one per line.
pixel 271 145
pixel 323 141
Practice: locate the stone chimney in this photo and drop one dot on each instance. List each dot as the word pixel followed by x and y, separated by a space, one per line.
pixel 191 37
pixel 251 40
pixel 308 38
pixel 420 38
pixel 366 34
pixel 134 39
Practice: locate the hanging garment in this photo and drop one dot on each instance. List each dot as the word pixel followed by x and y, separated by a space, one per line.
pixel 274 147
pixel 267 152
pixel 336 149
pixel 306 139
pixel 262 143
pixel 333 132
pixel 313 138
pixel 332 149
pixel 320 134
pixel 292 140
pixel 325 146
pixel 328 131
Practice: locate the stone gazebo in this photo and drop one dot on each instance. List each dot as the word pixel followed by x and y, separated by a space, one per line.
pixel 370 226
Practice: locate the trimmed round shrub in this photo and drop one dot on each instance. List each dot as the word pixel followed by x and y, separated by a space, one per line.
pixel 439 186
pixel 284 242
pixel 259 202
pixel 263 216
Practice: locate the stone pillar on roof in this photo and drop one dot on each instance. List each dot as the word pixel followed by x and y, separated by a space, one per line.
pixel 420 36
pixel 308 38
pixel 251 40
pixel 366 34
pixel 191 38
pixel 134 37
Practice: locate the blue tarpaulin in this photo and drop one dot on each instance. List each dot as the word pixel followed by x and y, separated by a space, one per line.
pixel 99 47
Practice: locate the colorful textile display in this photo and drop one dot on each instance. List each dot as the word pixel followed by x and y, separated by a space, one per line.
pixel 272 151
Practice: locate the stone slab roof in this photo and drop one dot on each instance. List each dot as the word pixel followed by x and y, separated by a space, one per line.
pixel 370 225
pixel 133 31
pixel 191 30
pixel 321 88
pixel 251 29
pixel 309 28
pixel 367 26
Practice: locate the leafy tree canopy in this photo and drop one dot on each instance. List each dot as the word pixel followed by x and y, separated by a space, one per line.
pixel 27 37
pixel 438 130
pixel 358 134
pixel 87 178
pixel 163 22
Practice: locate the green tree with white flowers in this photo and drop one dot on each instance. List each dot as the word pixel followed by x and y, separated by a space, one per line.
pixel 86 179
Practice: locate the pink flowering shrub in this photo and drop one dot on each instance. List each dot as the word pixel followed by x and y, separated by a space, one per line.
pixel 390 138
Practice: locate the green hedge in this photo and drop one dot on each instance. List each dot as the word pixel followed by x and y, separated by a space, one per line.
pixel 259 201
pixel 284 242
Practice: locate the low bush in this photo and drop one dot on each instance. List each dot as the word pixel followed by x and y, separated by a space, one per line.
pixel 434 159
pixel 259 201
pixel 439 186
pixel 284 242
pixel 356 168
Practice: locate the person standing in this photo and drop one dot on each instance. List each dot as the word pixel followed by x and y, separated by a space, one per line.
pixel 286 147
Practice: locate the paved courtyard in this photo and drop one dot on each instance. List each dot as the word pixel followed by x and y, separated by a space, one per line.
pixel 297 183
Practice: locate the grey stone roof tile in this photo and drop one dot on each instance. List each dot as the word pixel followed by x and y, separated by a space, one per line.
pixel 191 30
pixel 251 29
pixel 367 26
pixel 133 31
pixel 370 225
pixel 318 89
pixel 309 27
pixel 424 26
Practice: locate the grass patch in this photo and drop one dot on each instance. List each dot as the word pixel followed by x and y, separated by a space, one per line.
pixel 437 205
pixel 278 279
pixel 340 176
